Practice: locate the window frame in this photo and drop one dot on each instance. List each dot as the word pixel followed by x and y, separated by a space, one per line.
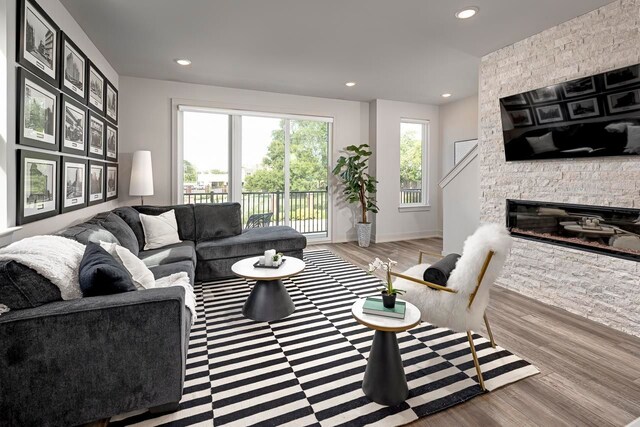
pixel 424 195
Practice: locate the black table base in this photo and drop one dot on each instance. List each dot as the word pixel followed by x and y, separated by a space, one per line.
pixel 384 379
pixel 268 301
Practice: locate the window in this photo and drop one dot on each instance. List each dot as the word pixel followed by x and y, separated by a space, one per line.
pixel 413 163
pixel 275 166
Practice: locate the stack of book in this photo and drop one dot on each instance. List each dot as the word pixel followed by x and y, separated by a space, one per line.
pixel 374 306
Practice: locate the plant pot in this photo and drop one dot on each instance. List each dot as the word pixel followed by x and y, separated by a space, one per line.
pixel 389 301
pixel 364 234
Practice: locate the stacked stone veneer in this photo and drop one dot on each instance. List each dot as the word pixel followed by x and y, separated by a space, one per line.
pixel 599 287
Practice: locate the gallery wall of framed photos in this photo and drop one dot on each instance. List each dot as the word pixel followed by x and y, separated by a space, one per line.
pixel 67 122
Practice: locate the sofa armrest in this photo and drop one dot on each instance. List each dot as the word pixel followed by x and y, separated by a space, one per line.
pixel 91 358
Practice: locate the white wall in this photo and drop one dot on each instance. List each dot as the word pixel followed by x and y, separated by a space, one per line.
pixel 146 124
pixel 596 286
pixel 458 122
pixel 460 204
pixel 390 223
pixel 63 19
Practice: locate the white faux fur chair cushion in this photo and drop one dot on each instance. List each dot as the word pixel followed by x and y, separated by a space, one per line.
pixel 450 310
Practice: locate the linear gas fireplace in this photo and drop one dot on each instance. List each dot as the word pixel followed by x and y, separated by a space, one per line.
pixel 606 230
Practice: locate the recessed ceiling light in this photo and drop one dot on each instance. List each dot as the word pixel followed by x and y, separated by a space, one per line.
pixel 183 61
pixel 446 95
pixel 467 12
pixel 350 84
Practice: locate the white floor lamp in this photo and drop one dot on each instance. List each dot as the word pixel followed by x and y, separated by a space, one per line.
pixel 141 183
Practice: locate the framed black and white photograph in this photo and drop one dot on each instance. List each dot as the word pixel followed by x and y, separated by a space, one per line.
pixel 112 182
pixel 545 94
pixel 96 136
pixel 521 118
pixel 624 101
pixel 96 88
pixel 38 38
pixel 549 114
pixel 37 112
pixel 73 73
pixel 95 181
pixel 112 143
pixel 38 186
pixel 622 77
pixel 583 109
pixel 74 185
pixel 515 100
pixel 111 103
pixel 579 87
pixel 73 125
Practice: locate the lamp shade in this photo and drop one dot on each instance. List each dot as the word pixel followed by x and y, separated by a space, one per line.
pixel 141 183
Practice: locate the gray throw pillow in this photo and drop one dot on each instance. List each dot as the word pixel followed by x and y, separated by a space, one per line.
pixel 119 228
pixel 22 287
pixel 132 218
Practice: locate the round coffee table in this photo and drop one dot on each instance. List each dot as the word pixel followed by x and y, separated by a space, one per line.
pixel 269 299
pixel 384 379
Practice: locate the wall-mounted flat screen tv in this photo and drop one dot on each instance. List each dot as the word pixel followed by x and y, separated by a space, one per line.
pixel 589 117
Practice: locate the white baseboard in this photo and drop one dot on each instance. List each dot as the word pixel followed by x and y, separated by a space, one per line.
pixel 394 237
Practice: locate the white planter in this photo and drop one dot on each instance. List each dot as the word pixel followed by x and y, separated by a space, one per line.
pixel 364 234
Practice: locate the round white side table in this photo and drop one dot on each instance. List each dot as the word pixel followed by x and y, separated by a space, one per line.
pixel 269 299
pixel 384 379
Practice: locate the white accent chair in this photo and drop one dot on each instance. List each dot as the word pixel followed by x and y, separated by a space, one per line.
pixel 460 306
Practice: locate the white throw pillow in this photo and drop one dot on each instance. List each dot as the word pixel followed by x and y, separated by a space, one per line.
pixel 160 230
pixel 142 277
pixel 633 140
pixel 542 144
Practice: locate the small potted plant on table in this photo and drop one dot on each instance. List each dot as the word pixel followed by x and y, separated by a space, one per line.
pixel 389 293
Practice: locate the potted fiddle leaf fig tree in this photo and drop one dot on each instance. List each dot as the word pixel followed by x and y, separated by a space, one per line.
pixel 359 186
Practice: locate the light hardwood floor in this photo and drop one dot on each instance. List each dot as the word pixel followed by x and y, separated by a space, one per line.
pixel 589 373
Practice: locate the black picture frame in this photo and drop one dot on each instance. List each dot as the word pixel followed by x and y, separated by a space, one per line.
pixel 95 198
pixel 69 198
pixel 70 54
pixel 550 113
pixel 42 61
pixel 47 182
pixel 544 95
pixel 111 91
pixel 92 133
pixel 111 142
pixel 522 117
pixel 69 109
pixel 96 79
pixel 110 167
pixel 28 86
pixel 587 108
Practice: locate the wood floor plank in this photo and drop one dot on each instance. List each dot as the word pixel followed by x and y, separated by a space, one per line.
pixel 590 374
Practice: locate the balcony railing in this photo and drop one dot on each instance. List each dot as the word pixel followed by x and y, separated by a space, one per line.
pixel 308 210
pixel 410 196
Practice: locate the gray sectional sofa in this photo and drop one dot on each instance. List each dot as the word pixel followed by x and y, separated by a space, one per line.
pixel 72 362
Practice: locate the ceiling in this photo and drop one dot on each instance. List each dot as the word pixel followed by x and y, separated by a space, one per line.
pixel 404 50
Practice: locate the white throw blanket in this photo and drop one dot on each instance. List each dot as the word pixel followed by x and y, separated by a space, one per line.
pixel 54 257
pixel 181 279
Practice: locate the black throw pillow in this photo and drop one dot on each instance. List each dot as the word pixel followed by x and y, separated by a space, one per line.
pixel 440 271
pixel 101 274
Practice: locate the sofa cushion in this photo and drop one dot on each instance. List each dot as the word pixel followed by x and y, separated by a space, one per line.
pixel 22 287
pixel 164 270
pixel 101 274
pixel 252 242
pixel 132 218
pixel 140 274
pixel 86 232
pixel 184 218
pixel 111 222
pixel 215 221
pixel 183 251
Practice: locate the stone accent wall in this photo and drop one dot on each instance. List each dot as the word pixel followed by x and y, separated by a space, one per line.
pixel 598 287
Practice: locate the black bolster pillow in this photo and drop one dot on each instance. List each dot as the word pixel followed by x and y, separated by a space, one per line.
pixel 440 271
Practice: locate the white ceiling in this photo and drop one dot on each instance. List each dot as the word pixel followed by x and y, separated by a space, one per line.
pixel 405 50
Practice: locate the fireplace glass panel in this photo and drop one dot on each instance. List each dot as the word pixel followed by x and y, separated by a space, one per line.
pixel 609 230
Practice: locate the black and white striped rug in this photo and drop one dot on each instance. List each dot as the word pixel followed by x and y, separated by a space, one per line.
pixel 307 369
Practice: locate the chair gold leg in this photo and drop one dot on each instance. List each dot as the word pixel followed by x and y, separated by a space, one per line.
pixel 486 322
pixel 475 361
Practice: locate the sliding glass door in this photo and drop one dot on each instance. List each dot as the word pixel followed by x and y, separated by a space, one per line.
pixel 275 166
